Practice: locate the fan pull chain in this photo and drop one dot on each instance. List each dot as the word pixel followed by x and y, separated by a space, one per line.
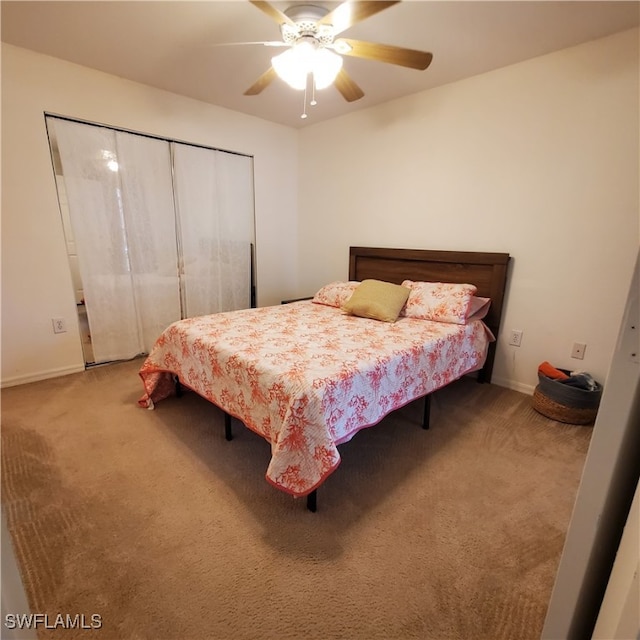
pixel 313 102
pixel 304 105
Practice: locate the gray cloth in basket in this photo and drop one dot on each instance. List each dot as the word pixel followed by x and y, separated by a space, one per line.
pixel 581 380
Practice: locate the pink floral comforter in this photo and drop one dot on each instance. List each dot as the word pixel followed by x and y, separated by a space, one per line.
pixel 307 377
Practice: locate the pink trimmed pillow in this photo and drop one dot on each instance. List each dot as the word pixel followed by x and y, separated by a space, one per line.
pixel 335 294
pixel 439 301
pixel 478 308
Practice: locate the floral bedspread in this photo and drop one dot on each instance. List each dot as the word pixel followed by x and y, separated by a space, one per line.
pixel 307 376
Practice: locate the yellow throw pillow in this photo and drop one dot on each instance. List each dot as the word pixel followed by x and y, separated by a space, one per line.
pixel 378 300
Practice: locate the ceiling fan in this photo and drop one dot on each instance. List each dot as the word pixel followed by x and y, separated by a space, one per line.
pixel 309 34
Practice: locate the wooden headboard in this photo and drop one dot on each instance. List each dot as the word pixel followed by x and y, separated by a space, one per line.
pixel 487 271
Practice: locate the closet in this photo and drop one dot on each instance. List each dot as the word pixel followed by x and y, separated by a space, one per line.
pixel 157 230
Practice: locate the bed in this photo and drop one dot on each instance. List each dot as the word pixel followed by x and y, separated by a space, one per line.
pixel 307 376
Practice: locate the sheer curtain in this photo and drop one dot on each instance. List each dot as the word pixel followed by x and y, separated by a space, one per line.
pixel 94 196
pixel 156 242
pixel 214 198
pixel 147 204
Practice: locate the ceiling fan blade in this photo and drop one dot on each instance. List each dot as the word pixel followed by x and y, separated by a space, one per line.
pixel 387 53
pixel 347 87
pixel 275 14
pixel 349 13
pixel 262 82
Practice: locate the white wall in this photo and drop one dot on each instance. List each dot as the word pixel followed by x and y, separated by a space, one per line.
pixel 538 159
pixel 36 280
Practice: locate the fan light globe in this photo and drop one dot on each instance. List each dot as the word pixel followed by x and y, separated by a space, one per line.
pixel 296 63
pixel 326 66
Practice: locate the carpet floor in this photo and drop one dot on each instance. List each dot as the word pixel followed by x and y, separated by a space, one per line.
pixel 157 524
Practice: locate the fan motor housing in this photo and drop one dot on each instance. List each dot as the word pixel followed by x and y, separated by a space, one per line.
pixel 306 17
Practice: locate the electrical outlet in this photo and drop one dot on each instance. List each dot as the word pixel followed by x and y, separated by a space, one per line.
pixel 516 337
pixel 59 325
pixel 578 350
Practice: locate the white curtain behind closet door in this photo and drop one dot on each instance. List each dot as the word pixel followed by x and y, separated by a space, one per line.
pixel 214 198
pixel 147 198
pixel 95 209
pixel 121 208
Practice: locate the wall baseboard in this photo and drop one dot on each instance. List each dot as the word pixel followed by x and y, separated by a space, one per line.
pixel 512 384
pixel 42 375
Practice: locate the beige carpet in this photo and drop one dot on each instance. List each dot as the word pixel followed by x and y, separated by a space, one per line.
pixel 156 523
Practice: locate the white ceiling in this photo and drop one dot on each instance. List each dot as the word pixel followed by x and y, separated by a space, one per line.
pixel 169 44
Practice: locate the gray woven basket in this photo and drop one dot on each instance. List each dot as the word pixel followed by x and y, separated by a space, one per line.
pixel 564 403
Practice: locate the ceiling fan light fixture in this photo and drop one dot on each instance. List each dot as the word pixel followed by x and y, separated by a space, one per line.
pixel 293 65
pixel 326 66
pixel 305 57
pixel 312 30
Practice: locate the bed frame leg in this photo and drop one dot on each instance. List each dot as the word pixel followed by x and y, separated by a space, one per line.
pixel 179 391
pixel 427 411
pixel 228 434
pixel 312 501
